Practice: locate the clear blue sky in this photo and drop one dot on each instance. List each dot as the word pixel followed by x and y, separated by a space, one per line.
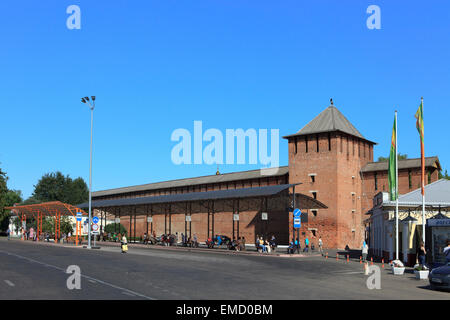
pixel 156 66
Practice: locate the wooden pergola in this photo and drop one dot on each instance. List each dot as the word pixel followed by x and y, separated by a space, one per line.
pixel 55 209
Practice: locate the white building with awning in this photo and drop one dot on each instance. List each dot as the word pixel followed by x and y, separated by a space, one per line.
pixel 380 226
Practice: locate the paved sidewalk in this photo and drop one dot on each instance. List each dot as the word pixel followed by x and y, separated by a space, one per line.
pixel 250 249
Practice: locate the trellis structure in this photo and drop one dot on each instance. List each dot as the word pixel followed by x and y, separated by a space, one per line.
pixel 55 209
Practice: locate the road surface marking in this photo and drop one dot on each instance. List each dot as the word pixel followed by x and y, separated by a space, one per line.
pixel 128 294
pixel 9 283
pixel 92 281
pixel 87 277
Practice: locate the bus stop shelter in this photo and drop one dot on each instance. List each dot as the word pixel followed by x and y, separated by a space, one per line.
pixel 53 209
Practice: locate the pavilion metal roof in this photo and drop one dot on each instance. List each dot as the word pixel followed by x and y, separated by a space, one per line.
pixel 436 194
pixel 207 195
pixel 225 177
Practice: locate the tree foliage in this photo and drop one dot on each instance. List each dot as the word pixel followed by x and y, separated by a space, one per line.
pixel 399 157
pixel 444 176
pixel 7 198
pixel 111 228
pixel 57 187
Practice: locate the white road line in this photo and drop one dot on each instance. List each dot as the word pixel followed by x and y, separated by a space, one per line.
pixel 92 281
pixel 351 272
pixel 128 294
pixel 9 283
pixel 87 277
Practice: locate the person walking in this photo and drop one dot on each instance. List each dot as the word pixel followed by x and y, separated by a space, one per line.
pixel 124 244
pixel 306 245
pixel 8 233
pixel 297 245
pixel 364 251
pixel 320 246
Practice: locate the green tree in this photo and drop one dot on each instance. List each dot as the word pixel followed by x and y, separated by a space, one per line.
pixel 57 187
pixel 444 176
pixel 11 197
pixel 399 157
pixel 112 227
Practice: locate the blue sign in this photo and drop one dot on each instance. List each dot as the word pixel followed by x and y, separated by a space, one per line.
pixel 79 216
pixel 297 223
pixel 95 220
pixel 297 213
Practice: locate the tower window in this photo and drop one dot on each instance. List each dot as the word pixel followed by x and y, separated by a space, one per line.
pixel 317 142
pixel 376 181
pixel 314 193
pixel 306 144
pixel 295 146
pixel 329 141
pixel 429 177
pixel 409 179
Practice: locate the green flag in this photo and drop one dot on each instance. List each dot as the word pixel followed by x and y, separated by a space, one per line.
pixel 392 169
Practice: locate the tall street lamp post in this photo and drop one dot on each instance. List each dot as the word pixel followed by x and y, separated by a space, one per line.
pixel 91 106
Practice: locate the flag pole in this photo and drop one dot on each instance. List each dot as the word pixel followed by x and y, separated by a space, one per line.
pixel 423 179
pixel 396 188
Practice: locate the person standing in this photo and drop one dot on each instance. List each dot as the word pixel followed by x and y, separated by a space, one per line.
pixel 124 244
pixel 8 233
pixel 364 251
pixel 447 251
pixel 422 253
pixel 320 246
pixel 306 245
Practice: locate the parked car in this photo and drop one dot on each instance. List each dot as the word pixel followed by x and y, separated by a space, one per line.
pixel 440 277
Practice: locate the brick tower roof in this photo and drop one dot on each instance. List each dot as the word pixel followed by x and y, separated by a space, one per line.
pixel 329 120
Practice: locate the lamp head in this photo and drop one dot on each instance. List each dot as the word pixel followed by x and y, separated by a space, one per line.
pixel 93 98
pixel 86 98
pixel 82 100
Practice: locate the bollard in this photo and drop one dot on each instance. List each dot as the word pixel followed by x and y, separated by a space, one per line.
pixel 337 256
pixel 360 260
pixel 382 262
pixel 366 269
pixel 371 261
pixel 326 255
pixel 348 258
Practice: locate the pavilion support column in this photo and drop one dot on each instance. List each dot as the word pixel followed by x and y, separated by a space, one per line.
pixel 129 235
pixel 212 218
pixel 185 220
pixel 135 224
pixel 190 221
pixel 237 210
pixel 165 219
pixel 232 217
pixel 207 236
pixel 151 223
pixel 147 220
pixel 170 219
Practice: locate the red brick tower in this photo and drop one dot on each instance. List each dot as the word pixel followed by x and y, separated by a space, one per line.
pixel 327 156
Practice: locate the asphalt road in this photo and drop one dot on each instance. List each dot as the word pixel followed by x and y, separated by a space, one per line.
pixel 38 271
